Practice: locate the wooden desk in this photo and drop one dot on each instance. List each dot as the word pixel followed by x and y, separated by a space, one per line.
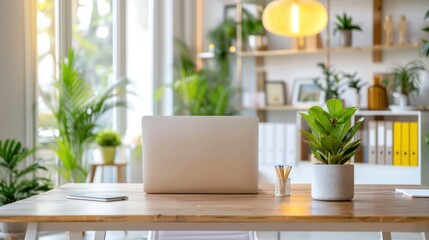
pixel 120 170
pixel 375 208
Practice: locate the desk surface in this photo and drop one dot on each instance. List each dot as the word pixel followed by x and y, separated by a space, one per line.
pixel 372 203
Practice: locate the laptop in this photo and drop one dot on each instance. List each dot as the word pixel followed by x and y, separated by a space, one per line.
pixel 200 154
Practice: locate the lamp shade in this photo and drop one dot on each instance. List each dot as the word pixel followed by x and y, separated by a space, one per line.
pixel 295 18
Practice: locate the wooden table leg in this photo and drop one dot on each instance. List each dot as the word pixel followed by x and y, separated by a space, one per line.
pixel 76 236
pixel 32 232
pixel 120 173
pixel 386 236
pixel 92 174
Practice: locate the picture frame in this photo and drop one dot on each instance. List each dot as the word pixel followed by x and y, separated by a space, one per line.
pixel 275 93
pixel 306 93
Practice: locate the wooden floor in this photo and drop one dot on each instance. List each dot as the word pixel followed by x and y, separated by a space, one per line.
pixel 261 235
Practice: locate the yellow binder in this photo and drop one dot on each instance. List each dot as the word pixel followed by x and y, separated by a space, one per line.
pixel 405 144
pixel 414 144
pixel 397 128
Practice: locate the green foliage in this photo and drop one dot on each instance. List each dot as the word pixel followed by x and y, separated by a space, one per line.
pixel 345 23
pixel 331 134
pixel 17 181
pixel 77 109
pixel 354 82
pixel 251 25
pixel 108 138
pixel 199 92
pixel 425 48
pixel 407 77
pixel 223 37
pixel 332 83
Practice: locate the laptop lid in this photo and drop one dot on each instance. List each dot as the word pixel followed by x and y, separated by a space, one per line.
pixel 200 154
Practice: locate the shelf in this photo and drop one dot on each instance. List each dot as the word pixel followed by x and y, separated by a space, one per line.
pixel 275 108
pixel 285 52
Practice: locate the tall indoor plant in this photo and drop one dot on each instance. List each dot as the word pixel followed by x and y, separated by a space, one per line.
pixel 254 31
pixel 345 26
pixel 77 110
pixel 332 144
pixel 331 82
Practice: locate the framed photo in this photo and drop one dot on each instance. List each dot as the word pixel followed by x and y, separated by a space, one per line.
pixel 306 93
pixel 275 93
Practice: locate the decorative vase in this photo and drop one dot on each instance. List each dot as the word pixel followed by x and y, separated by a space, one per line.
pixel 332 182
pixel 258 42
pixel 346 38
pixel 377 95
pixel 108 154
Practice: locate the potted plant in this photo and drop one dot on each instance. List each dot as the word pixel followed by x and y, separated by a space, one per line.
pixel 406 81
pixel 345 26
pixel 19 181
pixel 108 140
pixel 355 83
pixel 77 109
pixel 254 31
pixel 331 142
pixel 332 83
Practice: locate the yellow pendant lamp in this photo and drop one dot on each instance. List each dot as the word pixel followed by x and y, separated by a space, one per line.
pixel 295 18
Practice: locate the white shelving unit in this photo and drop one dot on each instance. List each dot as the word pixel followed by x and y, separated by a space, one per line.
pixel 366 173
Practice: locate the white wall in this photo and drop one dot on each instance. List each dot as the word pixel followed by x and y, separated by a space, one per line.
pixel 12 70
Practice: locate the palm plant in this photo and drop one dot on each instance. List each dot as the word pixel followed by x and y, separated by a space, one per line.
pixel 199 92
pixel 77 109
pixel 331 134
pixel 19 182
pixel 407 78
pixel 345 23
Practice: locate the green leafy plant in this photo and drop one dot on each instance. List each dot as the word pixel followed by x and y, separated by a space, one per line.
pixel 251 25
pixel 354 82
pixel 18 182
pixel 199 92
pixel 223 37
pixel 425 48
pixel 332 83
pixel 406 78
pixel 77 110
pixel 331 137
pixel 108 138
pixel 345 23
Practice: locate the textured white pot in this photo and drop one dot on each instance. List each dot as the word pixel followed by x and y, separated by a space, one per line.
pixel 333 182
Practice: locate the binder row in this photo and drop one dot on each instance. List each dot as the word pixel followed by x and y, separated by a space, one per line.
pixel 393 143
pixel 277 143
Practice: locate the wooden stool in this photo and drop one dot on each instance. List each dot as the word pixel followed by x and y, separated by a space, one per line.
pixel 120 170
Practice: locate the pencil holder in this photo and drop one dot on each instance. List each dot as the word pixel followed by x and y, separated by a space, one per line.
pixel 282 187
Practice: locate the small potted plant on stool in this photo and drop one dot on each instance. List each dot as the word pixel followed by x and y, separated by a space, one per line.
pixel 108 140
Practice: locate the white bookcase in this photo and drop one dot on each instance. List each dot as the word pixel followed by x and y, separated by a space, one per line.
pixel 366 173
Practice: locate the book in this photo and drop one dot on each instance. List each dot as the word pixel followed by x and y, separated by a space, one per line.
pixel 100 197
pixel 413 193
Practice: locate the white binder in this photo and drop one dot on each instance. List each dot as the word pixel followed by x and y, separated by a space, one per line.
pixel 372 142
pixel 280 129
pixel 291 143
pixel 389 143
pixel 381 143
pixel 269 144
pixel 262 143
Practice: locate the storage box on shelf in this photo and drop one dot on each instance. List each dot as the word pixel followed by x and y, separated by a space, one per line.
pixel 372 164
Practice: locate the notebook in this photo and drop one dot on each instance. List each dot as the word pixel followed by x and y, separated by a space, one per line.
pixel 200 154
pixel 100 197
pixel 414 193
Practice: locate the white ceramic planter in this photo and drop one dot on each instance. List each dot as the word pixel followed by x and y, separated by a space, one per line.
pixel 258 42
pixel 333 182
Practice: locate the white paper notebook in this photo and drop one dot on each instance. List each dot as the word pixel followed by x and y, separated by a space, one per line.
pixel 414 193
pixel 100 197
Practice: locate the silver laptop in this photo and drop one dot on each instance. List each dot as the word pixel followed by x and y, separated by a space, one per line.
pixel 190 154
